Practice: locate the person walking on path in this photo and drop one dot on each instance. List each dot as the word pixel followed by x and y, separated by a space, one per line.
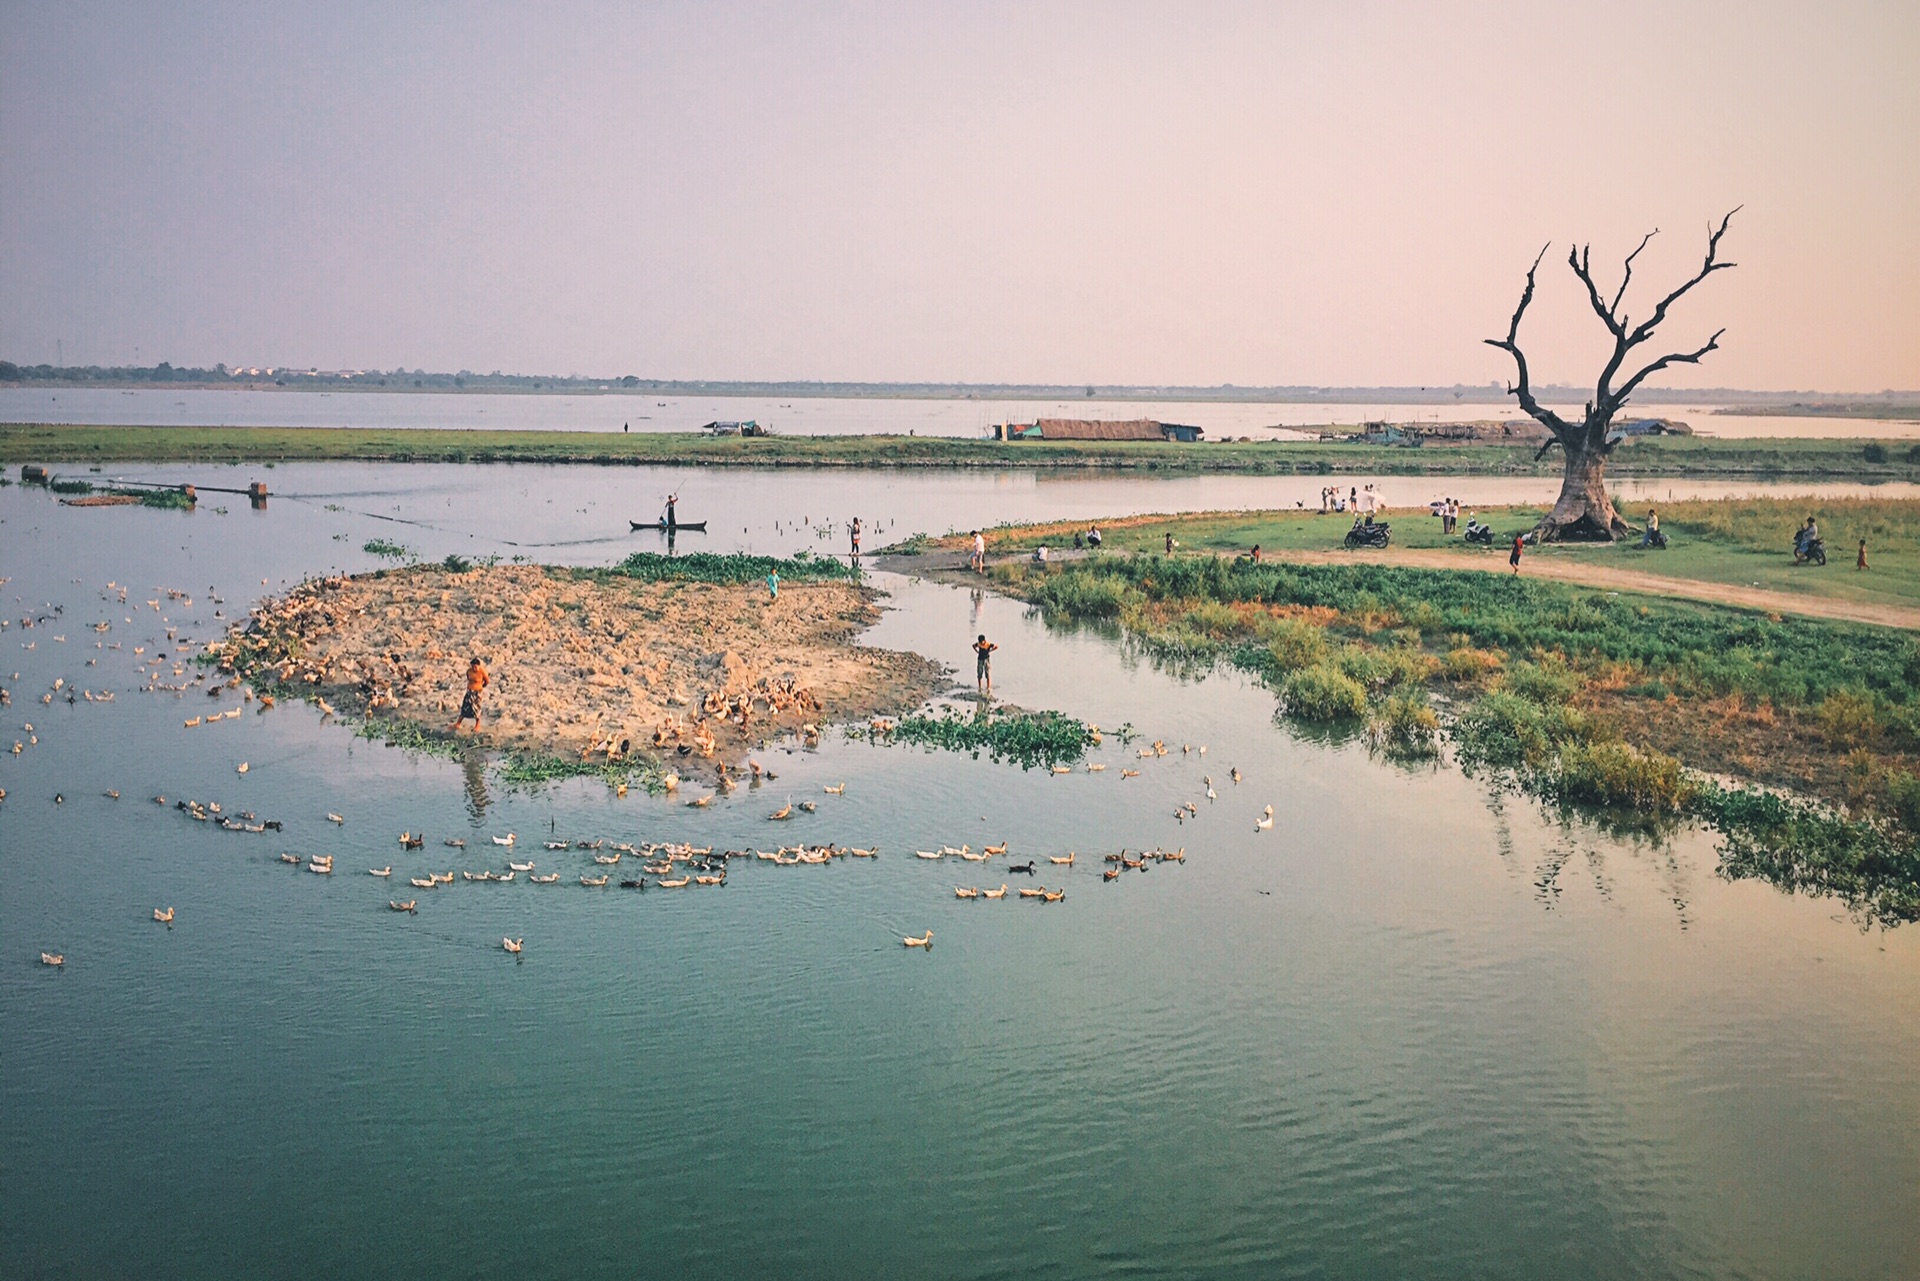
pixel 1862 562
pixel 1170 543
pixel 1513 557
pixel 477 681
pixel 983 663
pixel 854 530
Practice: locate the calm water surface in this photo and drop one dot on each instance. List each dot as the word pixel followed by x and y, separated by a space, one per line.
pixel 799 416
pixel 1413 1030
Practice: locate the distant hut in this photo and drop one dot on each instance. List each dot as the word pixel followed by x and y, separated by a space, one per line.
pixel 1094 429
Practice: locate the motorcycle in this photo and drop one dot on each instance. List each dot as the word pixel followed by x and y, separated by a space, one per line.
pixel 1478 533
pixel 1369 535
pixel 1811 551
pixel 1655 538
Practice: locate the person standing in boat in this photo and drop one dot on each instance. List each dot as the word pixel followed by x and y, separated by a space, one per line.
pixel 672 518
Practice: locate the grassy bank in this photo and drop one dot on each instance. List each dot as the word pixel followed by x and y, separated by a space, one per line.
pixel 1672 456
pixel 1626 703
pixel 1738 542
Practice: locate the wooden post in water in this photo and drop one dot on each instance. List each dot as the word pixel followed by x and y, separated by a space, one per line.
pixel 257 496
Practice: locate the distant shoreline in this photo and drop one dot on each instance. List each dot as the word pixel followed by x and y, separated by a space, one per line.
pixel 1700 456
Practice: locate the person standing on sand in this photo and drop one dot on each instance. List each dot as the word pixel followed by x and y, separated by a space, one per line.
pixel 1513 557
pixel 773 584
pixel 477 681
pixel 978 561
pixel 983 663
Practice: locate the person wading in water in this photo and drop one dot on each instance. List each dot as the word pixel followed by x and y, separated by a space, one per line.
pixel 983 663
pixel 477 681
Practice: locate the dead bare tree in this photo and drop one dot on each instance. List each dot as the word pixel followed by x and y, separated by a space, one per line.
pixel 1583 510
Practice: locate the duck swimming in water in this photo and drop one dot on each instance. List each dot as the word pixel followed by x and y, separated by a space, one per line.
pixel 925 940
pixel 381 871
pixel 512 945
pixel 165 918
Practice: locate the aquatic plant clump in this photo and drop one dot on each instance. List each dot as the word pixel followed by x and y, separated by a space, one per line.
pixel 1026 739
pixel 385 550
pixel 731 569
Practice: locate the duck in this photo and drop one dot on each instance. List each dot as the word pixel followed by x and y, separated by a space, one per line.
pixel 559 845
pixel 1025 869
pixel 785 811
pixel 1129 773
pixel 193 723
pixel 996 850
pixel 1096 768
pixel 971 857
pixel 638 883
pixel 959 892
pixel 1211 794
pixel 412 840
pixel 663 884
pixel 322 869
pixel 504 877
pixel 422 882
pixel 407 906
pixel 111 794
pixel 809 806
pixel 289 858
pixel 593 882
pixel 1173 856
pixel 701 802
pixel 548 879
pixel 334 818
pixel 241 768
pixel 607 860
pixel 512 945
pixel 165 918
pixel 926 853
pixel 1063 769
pixel 860 853
pixel 1053 896
pixel 506 840
pixel 53 958
pixel 441 878
pixel 1030 893
pixel 1111 874
pixel 454 843
pixel 721 879
pixel 1063 862
pixel 999 893
pixel 1265 824
pixel 925 940
pixel 520 867
pixel 1234 774
pixel 841 790
pixel 381 871
pixel 476 876
pixel 1203 749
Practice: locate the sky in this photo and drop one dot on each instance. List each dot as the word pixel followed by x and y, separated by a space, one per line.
pixel 1320 194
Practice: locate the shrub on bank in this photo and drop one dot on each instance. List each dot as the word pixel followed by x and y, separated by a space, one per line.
pixel 1405 725
pixel 1322 693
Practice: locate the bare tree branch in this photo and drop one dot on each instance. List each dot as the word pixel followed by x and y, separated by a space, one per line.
pixel 1581 261
pixel 1678 358
pixel 1625 341
pixel 1645 329
pixel 1627 274
pixel 1523 390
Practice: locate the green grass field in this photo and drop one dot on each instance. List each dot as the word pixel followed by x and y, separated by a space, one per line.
pixel 1675 456
pixel 1742 542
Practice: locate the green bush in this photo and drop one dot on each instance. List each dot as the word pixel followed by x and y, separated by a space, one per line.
pixel 1322 693
pixel 1847 719
pixel 1903 798
pixel 1505 730
pixel 1545 682
pixel 1621 776
pixel 1405 725
pixel 1295 643
pixel 1874 452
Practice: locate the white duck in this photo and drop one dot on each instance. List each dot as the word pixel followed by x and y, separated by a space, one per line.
pixel 925 940
pixel 512 945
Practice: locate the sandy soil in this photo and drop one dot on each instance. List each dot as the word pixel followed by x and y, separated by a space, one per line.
pixel 578 663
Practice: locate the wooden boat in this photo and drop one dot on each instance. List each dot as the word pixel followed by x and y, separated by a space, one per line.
pixel 697 526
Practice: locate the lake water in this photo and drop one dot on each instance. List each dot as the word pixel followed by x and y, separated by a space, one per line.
pixel 1416 1029
pixel 796 416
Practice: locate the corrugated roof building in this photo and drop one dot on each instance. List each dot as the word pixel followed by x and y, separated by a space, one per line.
pixel 1094 429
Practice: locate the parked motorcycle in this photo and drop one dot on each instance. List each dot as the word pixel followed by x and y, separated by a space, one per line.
pixel 1369 535
pixel 1656 539
pixel 1478 533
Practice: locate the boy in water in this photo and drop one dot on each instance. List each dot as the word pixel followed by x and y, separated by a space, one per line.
pixel 983 663
pixel 477 681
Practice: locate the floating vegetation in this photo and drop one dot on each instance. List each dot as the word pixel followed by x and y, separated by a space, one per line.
pixel 387 550
pixel 528 770
pixel 456 564
pixel 71 486
pixel 164 499
pixel 734 568
pixel 1026 739
pixel 1804 848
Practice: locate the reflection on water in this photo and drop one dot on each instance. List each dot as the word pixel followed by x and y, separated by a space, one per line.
pixel 1358 1043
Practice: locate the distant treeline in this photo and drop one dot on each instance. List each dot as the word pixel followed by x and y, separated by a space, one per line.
pixel 467 380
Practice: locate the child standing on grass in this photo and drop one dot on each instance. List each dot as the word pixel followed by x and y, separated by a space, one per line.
pixel 983 663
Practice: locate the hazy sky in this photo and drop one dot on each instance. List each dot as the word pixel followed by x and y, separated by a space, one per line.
pixel 1273 193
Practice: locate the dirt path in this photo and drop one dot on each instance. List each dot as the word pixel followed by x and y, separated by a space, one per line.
pixel 1534 565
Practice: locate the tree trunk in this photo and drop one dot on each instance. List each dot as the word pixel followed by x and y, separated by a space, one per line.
pixel 1583 512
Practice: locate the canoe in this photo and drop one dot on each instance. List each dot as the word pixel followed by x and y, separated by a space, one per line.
pixel 697 526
